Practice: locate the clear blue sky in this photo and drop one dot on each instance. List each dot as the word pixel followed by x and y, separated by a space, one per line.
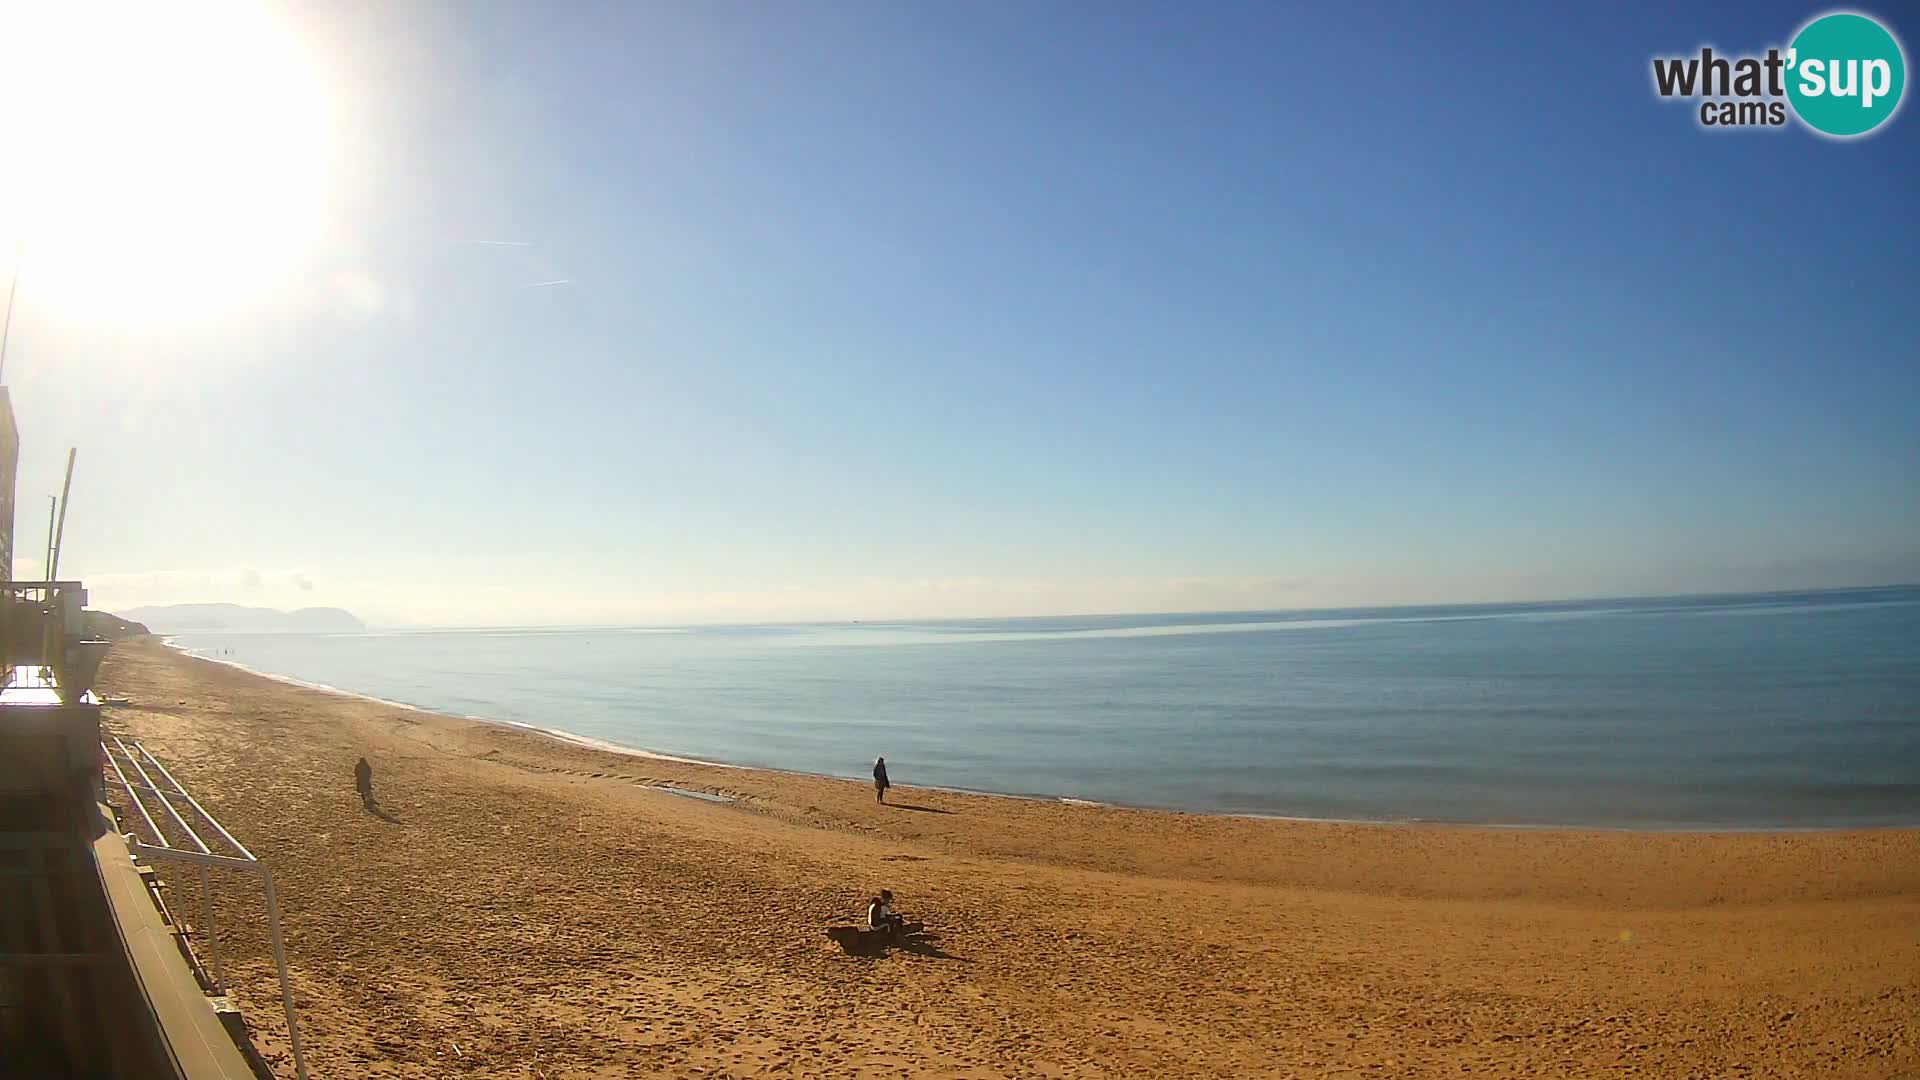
pixel 886 309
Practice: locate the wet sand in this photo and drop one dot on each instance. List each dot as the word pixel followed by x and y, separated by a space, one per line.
pixel 521 907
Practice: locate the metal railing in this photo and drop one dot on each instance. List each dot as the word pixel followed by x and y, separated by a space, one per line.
pixel 120 757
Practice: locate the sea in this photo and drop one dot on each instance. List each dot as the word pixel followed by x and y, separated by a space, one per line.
pixel 1775 711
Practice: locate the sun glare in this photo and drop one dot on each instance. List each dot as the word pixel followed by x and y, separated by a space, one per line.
pixel 158 162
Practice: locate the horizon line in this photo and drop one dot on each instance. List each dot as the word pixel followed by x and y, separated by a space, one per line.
pixel 696 624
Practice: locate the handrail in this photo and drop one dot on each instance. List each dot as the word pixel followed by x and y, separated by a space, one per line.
pixel 175 814
pixel 137 804
pixel 180 790
pixel 205 858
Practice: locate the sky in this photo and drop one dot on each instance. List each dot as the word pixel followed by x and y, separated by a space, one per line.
pixel 503 313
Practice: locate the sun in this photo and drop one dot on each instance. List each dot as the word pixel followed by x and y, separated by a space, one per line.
pixel 158 161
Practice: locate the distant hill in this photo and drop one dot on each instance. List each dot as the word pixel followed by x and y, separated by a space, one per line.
pixel 235 619
pixel 110 627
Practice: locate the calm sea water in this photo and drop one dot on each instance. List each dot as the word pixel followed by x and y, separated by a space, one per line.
pixel 1797 710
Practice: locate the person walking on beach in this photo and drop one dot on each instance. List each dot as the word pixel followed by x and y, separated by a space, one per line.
pixel 363 782
pixel 880 781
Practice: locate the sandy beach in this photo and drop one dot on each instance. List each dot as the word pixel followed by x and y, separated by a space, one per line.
pixel 526 908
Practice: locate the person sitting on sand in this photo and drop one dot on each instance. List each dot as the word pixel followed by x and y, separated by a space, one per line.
pixel 880 782
pixel 881 916
pixel 363 782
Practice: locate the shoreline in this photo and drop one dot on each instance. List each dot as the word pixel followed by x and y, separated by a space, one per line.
pixel 515 905
pixel 608 746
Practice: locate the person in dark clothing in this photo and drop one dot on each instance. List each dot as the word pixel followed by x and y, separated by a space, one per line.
pixel 882 917
pixel 880 782
pixel 363 782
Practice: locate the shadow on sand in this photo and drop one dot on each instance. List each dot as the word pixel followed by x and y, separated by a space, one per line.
pixel 380 812
pixel 859 941
pixel 916 806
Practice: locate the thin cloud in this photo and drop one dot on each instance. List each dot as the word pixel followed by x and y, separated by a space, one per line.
pixel 544 284
pixel 503 243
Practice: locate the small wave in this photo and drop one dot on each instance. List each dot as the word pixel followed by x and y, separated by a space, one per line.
pixel 566 736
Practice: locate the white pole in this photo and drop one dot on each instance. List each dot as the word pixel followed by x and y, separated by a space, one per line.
pixel 213 936
pixel 280 961
pixel 6 329
pixel 60 532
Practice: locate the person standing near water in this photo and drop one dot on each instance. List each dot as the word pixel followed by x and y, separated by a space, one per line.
pixel 880 781
pixel 363 782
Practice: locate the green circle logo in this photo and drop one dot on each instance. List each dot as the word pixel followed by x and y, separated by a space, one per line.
pixel 1845 73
